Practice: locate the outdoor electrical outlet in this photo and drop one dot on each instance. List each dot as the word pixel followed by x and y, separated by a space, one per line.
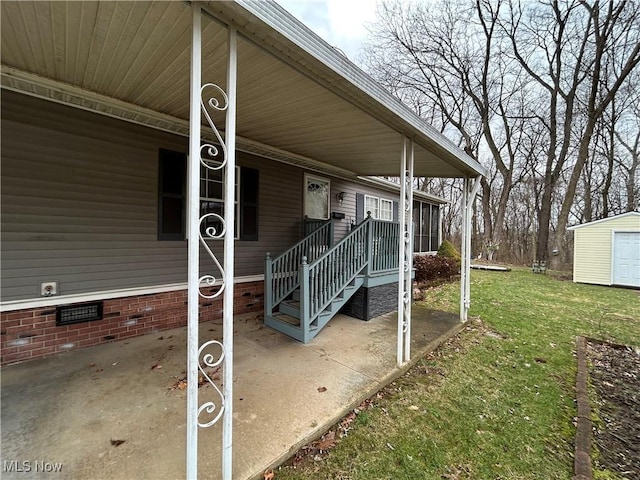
pixel 48 289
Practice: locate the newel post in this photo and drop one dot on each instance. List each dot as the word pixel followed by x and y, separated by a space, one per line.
pixel 369 231
pixel 268 286
pixel 305 299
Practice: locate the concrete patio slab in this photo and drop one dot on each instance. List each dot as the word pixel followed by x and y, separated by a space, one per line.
pixel 64 411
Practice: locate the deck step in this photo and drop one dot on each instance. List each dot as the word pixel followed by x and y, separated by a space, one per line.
pixel 283 317
pixel 290 308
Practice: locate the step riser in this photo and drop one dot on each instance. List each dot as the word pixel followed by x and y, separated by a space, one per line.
pixel 321 320
pixel 289 310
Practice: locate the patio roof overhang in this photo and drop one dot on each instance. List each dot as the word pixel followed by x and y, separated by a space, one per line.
pixel 299 100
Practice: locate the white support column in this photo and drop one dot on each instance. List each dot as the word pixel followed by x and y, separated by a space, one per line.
pixel 468 198
pixel 464 271
pixel 193 187
pixel 401 251
pixel 229 247
pixel 408 253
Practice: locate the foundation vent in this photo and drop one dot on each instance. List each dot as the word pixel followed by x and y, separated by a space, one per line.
pixel 86 312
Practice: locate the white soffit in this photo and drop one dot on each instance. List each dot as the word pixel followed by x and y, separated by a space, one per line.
pixel 137 53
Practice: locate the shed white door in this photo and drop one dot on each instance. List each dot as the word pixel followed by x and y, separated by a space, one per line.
pixel 626 259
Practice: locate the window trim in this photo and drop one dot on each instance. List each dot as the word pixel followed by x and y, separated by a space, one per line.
pixel 379 201
pixel 417 246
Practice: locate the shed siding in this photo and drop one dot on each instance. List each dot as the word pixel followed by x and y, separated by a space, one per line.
pixel 593 249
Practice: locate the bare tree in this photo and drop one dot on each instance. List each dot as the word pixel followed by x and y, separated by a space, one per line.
pixel 450 61
pixel 564 47
pixel 530 89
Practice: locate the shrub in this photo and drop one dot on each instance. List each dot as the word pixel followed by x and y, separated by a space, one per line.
pixel 449 251
pixel 433 267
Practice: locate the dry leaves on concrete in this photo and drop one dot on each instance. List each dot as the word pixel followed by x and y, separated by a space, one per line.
pixel 181 383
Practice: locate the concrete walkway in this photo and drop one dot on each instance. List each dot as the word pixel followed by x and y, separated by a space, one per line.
pixel 67 409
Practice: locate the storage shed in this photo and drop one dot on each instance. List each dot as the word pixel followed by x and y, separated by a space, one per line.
pixel 607 251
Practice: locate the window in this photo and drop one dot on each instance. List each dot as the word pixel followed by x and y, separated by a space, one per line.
pixel 316 197
pixel 212 193
pixel 426 218
pixel 380 208
pixel 172 197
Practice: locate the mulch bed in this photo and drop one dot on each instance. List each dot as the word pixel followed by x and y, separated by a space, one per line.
pixel 615 379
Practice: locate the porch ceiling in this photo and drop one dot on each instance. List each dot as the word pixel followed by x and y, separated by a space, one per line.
pixel 295 92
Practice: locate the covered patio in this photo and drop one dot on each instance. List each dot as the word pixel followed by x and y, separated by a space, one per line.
pixel 72 409
pixel 289 97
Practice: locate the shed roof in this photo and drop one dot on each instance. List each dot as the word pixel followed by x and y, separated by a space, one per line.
pixel 298 98
pixel 608 219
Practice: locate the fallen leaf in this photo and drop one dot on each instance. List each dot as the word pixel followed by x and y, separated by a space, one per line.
pixel 117 443
pixel 156 366
pixel 414 408
pixel 269 475
pixel 327 441
pixel 322 389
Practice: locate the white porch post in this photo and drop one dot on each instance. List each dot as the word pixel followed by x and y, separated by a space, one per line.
pixel 401 251
pixel 408 254
pixel 405 253
pixel 193 189
pixel 229 251
pixel 469 193
pixel 464 273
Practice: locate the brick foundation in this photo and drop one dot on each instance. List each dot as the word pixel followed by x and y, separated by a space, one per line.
pixel 32 333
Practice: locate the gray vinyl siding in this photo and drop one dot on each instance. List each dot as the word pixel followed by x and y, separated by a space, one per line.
pixel 79 204
pixel 79 201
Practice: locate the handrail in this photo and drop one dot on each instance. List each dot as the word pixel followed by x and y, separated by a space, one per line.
pixel 329 274
pixel 281 272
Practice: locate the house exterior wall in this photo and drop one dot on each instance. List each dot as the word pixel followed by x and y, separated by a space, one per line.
pixel 79 206
pixel 80 203
pixel 592 255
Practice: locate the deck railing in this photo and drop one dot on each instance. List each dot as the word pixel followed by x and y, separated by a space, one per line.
pixel 384 246
pixel 282 272
pixel 324 278
pixel 323 273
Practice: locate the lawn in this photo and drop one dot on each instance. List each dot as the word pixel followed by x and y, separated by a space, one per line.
pixel 496 402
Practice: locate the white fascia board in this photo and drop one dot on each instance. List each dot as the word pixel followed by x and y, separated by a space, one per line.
pixel 395 187
pixel 622 215
pixel 297 43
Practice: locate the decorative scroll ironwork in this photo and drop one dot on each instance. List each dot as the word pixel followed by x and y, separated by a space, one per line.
pixel 213 156
pixel 408 254
pixel 210 360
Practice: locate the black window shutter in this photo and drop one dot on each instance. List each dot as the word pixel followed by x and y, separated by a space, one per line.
pixel 172 181
pixel 359 207
pixel 249 203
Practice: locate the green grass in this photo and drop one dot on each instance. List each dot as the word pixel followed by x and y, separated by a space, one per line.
pixel 495 403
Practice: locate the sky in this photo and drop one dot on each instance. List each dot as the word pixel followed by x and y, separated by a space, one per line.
pixel 341 23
